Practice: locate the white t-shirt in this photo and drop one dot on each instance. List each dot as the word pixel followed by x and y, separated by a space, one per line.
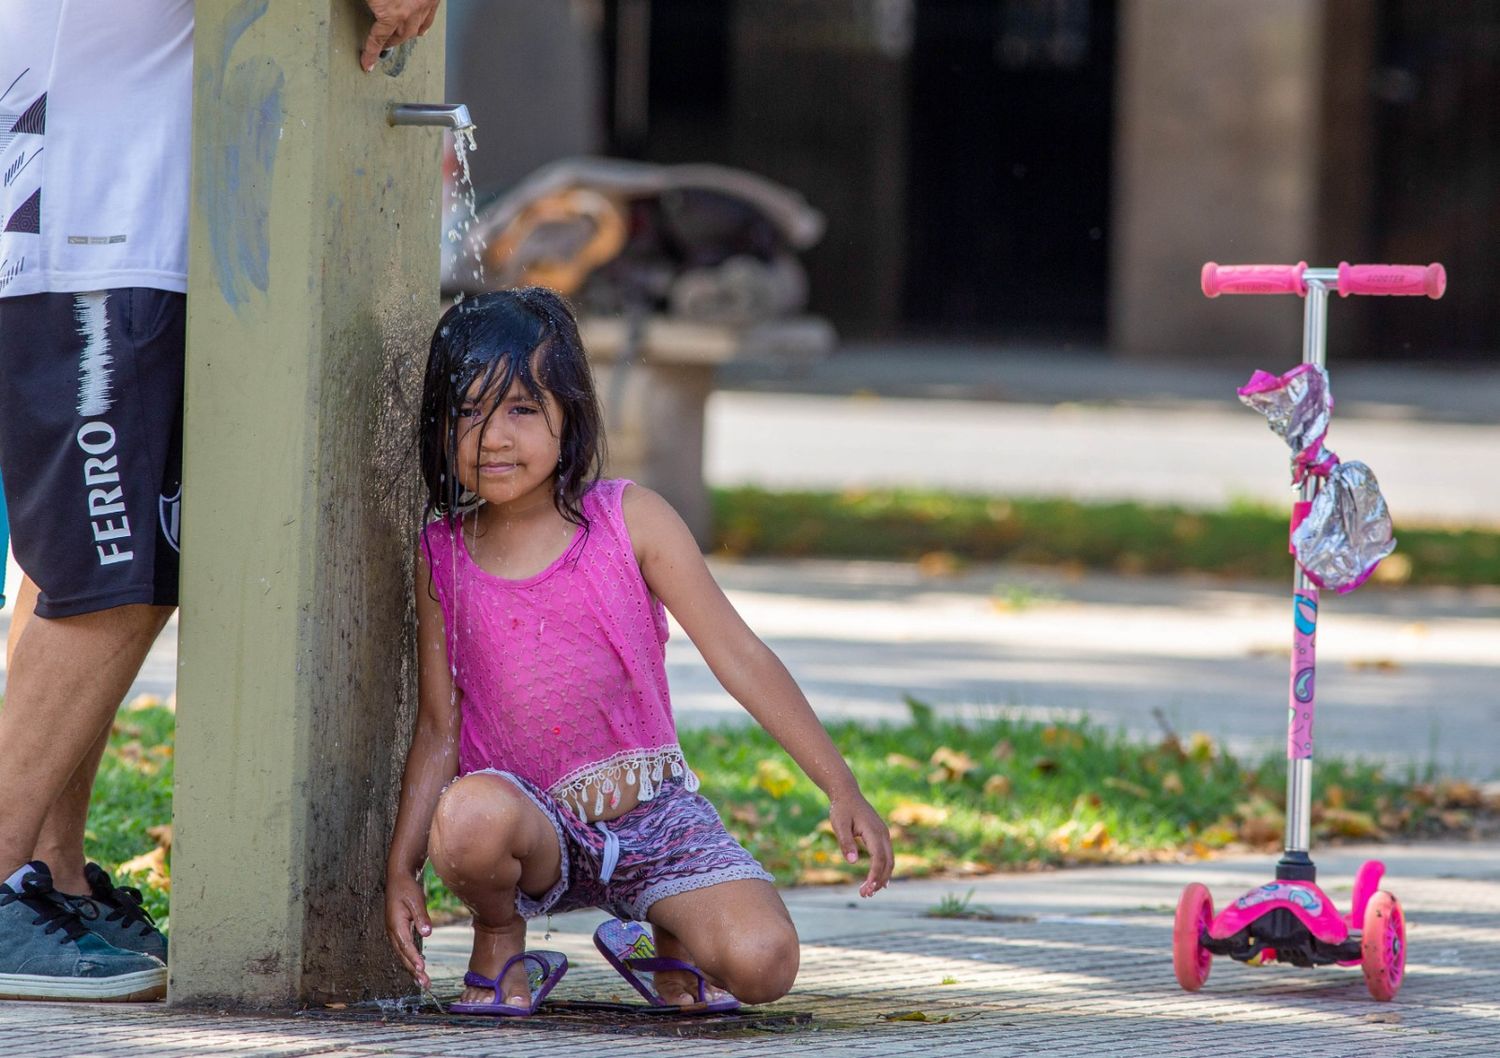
pixel 96 102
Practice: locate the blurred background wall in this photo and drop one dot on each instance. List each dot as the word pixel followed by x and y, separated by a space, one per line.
pixel 1045 172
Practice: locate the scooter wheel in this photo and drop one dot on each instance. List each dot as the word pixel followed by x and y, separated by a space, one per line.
pixel 1190 958
pixel 1383 946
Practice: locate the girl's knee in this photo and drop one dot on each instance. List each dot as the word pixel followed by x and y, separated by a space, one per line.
pixel 760 966
pixel 477 815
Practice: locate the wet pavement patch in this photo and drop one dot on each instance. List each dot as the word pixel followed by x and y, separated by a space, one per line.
pixel 604 1018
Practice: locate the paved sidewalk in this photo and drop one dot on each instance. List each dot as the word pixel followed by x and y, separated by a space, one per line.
pixel 1052 422
pixel 1407 675
pixel 1204 455
pixel 1077 963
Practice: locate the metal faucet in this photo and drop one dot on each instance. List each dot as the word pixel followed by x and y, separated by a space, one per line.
pixel 453 116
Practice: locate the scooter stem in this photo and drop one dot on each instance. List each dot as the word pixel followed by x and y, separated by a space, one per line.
pixel 1296 864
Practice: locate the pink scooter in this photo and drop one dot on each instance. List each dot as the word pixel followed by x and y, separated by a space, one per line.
pixel 1291 920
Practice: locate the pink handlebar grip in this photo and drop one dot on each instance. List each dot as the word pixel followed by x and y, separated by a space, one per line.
pixel 1254 279
pixel 1392 279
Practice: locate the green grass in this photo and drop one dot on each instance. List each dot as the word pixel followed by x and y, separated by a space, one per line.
pixel 132 793
pixel 1021 795
pixel 1240 541
pixel 951 905
pixel 1003 794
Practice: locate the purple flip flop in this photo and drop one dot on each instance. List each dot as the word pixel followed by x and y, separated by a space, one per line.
pixel 631 951
pixel 543 970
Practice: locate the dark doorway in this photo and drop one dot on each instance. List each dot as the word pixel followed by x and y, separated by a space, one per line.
pixel 1009 162
pixel 1436 192
pixel 960 149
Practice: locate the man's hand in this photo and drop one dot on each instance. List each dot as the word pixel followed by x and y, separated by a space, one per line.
pixel 856 823
pixel 396 22
pixel 405 910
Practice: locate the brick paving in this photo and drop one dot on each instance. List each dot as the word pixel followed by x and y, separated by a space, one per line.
pixel 1079 964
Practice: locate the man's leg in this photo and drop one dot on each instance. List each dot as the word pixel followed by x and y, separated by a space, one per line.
pixel 66 679
pixel 60 844
pixel 19 615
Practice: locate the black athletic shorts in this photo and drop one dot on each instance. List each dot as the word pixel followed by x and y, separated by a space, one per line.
pixel 91 444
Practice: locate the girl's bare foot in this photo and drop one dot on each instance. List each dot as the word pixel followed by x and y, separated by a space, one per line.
pixel 493 945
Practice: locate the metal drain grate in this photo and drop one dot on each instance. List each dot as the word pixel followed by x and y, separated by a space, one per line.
pixel 609 1019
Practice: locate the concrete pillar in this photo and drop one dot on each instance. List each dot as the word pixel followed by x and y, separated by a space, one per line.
pixel 312 289
pixel 1218 158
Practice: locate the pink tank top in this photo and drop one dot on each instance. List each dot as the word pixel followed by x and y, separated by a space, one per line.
pixel 563 674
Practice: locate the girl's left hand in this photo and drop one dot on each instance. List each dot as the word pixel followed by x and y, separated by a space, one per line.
pixel 856 823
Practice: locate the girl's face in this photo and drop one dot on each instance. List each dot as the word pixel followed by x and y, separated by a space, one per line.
pixel 512 452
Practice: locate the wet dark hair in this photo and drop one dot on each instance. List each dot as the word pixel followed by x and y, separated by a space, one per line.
pixel 500 337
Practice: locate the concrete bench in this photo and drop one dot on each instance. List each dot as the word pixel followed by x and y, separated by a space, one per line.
pixel 655 376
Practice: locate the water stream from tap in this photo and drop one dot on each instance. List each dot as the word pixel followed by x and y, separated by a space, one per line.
pixel 468 270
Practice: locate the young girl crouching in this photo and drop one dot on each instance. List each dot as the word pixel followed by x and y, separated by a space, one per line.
pixel 544 773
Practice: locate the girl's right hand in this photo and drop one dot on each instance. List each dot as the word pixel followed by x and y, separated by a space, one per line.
pixel 405 910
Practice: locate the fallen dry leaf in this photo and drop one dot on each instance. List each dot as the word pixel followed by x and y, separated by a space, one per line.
pixel 774 777
pixel 136 756
pixel 997 786
pixel 153 865
pixel 1097 838
pixel 1201 747
pixel 938 564
pixel 1394 569
pixel 1061 737
pixel 1348 823
pixel 1261 823
pixel 747 814
pixel 915 1015
pixel 1126 786
pixel 1456 793
pixel 917 814
pixel 162 835
pixel 955 763
pixel 909 864
pixel 1217 835
pixel 1455 819
pixel 821 876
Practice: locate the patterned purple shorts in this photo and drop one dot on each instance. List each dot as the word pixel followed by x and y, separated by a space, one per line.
pixel 672 844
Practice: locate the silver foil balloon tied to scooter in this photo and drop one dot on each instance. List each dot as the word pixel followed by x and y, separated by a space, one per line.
pixel 1347 530
pixel 1297 406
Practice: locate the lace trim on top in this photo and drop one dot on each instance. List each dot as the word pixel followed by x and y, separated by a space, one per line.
pixel 645 769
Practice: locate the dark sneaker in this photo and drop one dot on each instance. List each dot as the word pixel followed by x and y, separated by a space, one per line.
pixel 46 953
pixel 115 913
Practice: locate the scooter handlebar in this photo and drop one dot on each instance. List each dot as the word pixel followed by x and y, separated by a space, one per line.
pixel 1378 279
pixel 1253 279
pixel 1431 279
